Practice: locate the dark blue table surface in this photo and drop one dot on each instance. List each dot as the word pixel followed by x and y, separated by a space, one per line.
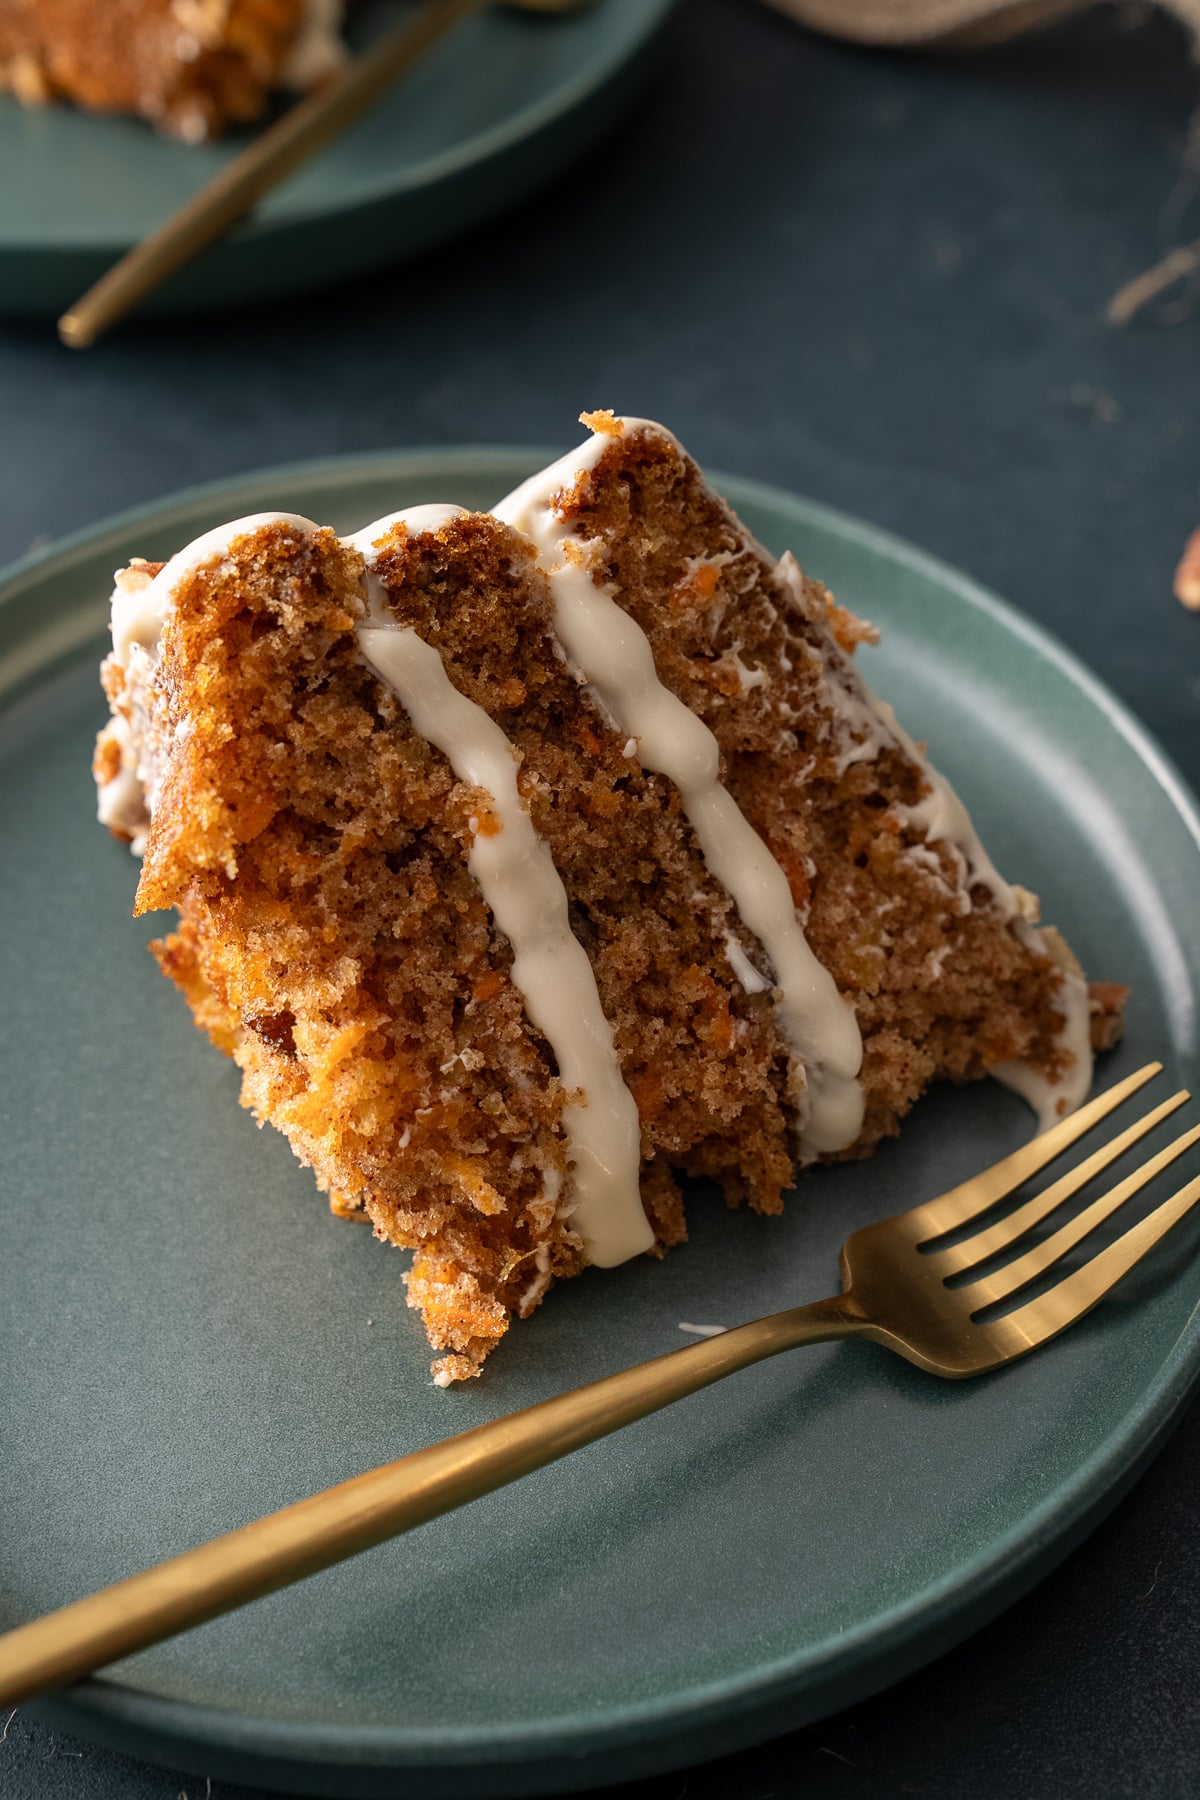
pixel 877 280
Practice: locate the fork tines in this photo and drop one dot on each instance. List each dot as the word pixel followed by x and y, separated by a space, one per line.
pixel 1080 1289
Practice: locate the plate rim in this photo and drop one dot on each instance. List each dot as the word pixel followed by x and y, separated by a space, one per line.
pixel 738 1707
pixel 640 24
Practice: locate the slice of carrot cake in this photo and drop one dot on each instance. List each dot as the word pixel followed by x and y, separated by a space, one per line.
pixel 189 66
pixel 526 862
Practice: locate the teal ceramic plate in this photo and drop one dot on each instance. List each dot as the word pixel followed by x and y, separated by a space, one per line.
pixel 189 1339
pixel 492 111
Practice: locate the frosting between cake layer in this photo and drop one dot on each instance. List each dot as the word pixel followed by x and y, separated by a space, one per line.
pixel 1052 1100
pixel 525 894
pixel 140 607
pixel 613 654
pixel 138 613
pixel 941 818
pixel 513 867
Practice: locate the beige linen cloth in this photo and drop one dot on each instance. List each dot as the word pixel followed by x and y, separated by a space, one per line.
pixel 967 22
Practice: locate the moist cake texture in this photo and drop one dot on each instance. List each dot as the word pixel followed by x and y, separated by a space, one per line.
pixel 527 861
pixel 188 66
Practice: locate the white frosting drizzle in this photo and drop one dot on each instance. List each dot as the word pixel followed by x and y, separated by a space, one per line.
pixel 525 894
pixel 613 654
pixel 1053 1100
pixel 140 607
pixel 138 612
pixel 942 819
pixel 516 873
pixel 121 800
pixel 413 518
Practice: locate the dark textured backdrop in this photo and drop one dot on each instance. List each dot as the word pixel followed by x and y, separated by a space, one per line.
pixel 879 281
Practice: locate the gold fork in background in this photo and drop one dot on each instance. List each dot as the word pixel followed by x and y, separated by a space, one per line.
pixel 274 155
pixel 895 1291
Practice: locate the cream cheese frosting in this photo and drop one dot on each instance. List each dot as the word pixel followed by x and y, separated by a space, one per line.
pixel 612 653
pixel 524 892
pixel 139 610
pixel 813 1026
pixel 141 605
pixel 317 49
pixel 121 800
pixel 941 818
pixel 514 868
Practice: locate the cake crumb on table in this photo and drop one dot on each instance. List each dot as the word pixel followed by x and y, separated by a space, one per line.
pixel 1187 575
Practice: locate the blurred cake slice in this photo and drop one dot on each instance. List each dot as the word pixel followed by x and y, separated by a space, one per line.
pixel 188 66
pixel 526 862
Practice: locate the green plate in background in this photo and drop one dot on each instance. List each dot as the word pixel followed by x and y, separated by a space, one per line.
pixel 189 1339
pixel 494 110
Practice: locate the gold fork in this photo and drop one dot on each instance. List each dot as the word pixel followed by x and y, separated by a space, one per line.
pixel 895 1292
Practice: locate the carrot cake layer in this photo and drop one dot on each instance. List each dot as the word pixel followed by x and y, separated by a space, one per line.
pixel 527 862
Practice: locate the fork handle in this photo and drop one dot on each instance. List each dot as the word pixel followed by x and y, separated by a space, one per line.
pixel 328 1527
pixel 295 136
